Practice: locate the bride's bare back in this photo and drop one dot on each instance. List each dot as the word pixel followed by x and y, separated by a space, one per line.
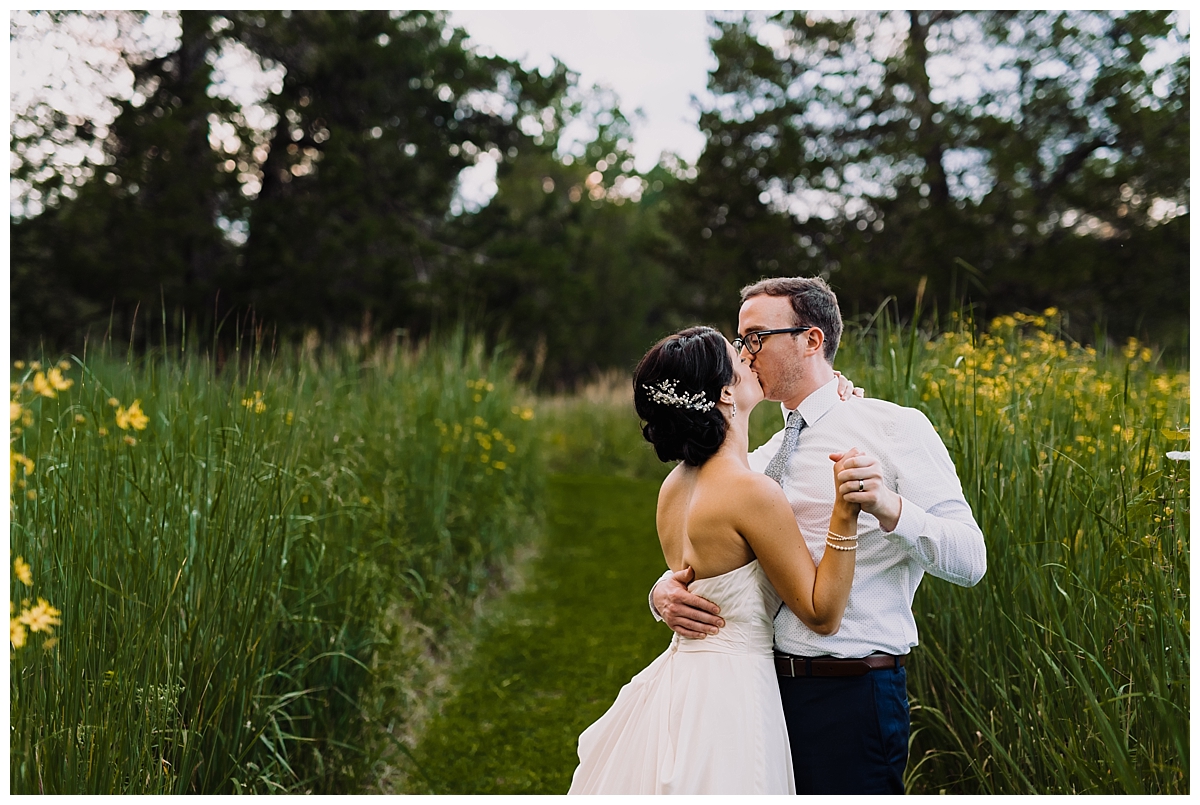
pixel 722 515
pixel 698 509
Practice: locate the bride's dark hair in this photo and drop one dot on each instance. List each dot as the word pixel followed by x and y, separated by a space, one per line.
pixel 697 361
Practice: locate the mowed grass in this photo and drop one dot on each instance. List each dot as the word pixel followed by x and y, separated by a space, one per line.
pixel 245 568
pixel 552 656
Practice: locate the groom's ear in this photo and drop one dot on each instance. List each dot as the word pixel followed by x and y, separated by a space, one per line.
pixel 814 340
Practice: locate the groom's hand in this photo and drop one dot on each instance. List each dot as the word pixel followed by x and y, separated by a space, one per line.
pixel 687 614
pixel 876 498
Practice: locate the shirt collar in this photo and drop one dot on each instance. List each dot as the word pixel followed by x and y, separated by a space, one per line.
pixel 815 405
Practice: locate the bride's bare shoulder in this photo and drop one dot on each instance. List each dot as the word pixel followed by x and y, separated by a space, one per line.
pixel 754 496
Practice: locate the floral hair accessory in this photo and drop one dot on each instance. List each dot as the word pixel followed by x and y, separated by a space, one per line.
pixel 665 393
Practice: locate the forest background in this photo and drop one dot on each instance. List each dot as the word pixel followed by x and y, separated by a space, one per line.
pixel 1005 160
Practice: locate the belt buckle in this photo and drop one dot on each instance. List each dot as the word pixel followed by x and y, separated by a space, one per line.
pixel 792 665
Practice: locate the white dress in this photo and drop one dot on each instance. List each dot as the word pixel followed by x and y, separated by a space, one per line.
pixel 705 716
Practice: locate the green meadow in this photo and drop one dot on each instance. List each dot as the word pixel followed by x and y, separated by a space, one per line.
pixel 391 567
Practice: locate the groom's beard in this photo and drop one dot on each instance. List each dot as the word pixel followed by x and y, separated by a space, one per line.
pixel 785 382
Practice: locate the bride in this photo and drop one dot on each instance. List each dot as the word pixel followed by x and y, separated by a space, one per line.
pixel 705 716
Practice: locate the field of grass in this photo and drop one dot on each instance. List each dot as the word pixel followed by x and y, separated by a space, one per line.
pixel 230 580
pixel 254 577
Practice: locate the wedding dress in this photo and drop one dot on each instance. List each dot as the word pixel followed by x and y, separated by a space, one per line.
pixel 705 716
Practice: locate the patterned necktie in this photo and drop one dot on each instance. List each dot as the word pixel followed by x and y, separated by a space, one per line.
pixel 791 436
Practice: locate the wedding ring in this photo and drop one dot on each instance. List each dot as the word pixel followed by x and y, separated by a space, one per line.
pixel 860 485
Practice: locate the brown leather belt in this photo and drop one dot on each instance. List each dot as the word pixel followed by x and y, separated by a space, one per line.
pixel 787 665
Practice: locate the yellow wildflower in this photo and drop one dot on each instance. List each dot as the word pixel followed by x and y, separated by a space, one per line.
pixel 287 419
pixel 500 465
pixel 1050 311
pixel 80 419
pixel 527 414
pixel 102 431
pixel 31 494
pixel 129 440
pixel 35 365
pixel 64 365
pixel 50 644
pixel 15 458
pixel 255 402
pixel 42 386
pixel 59 382
pixel 133 417
pixel 16 633
pixel 27 417
pixel 21 567
pixel 14 410
pixel 114 402
pixel 41 618
pixel 19 364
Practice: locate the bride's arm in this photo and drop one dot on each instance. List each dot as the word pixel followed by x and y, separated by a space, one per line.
pixel 817 596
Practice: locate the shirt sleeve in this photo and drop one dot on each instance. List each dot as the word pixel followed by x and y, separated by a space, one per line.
pixel 936 527
pixel 650 596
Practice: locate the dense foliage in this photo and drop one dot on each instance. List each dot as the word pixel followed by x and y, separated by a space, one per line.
pixel 1016 160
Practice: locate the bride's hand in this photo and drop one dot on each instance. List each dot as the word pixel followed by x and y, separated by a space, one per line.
pixel 842 483
pixel 846 387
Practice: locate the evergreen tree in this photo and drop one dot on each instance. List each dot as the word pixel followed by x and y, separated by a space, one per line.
pixel 144 229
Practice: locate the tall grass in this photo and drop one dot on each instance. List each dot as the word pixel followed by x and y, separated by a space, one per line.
pixel 235 572
pixel 1066 670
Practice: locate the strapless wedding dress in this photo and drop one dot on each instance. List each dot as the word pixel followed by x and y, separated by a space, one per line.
pixel 705 716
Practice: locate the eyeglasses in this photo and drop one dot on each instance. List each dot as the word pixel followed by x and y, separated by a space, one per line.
pixel 753 341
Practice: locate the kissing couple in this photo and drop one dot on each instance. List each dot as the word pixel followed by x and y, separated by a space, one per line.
pixel 792 568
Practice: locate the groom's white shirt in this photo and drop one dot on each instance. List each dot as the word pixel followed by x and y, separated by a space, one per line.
pixel 936 533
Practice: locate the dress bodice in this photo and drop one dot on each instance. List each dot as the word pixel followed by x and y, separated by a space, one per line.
pixel 748 605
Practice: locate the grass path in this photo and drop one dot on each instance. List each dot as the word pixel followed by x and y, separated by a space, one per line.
pixel 552 655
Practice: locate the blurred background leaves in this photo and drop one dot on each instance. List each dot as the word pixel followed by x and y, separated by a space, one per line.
pixel 1018 160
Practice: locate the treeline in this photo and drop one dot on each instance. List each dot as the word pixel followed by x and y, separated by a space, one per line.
pixel 1006 160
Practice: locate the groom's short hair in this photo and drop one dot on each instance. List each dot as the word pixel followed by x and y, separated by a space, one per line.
pixel 813 303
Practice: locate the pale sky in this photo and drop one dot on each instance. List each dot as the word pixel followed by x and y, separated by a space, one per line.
pixel 653 60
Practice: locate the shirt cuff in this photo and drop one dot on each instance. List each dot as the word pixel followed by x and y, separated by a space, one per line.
pixel 911 524
pixel 650 596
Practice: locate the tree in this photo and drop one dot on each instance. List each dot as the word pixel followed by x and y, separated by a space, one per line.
pixel 144 228
pixel 377 116
pixel 571 261
pixel 340 210
pixel 1013 158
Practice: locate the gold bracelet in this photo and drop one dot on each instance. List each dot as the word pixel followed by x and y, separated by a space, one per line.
pixel 837 547
pixel 839 537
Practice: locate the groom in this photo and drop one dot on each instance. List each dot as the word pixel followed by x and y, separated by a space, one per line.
pixel 844 695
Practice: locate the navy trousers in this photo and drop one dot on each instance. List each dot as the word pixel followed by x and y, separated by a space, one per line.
pixel 849 734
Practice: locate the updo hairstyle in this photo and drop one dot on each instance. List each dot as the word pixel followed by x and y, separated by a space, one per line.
pixel 697 359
